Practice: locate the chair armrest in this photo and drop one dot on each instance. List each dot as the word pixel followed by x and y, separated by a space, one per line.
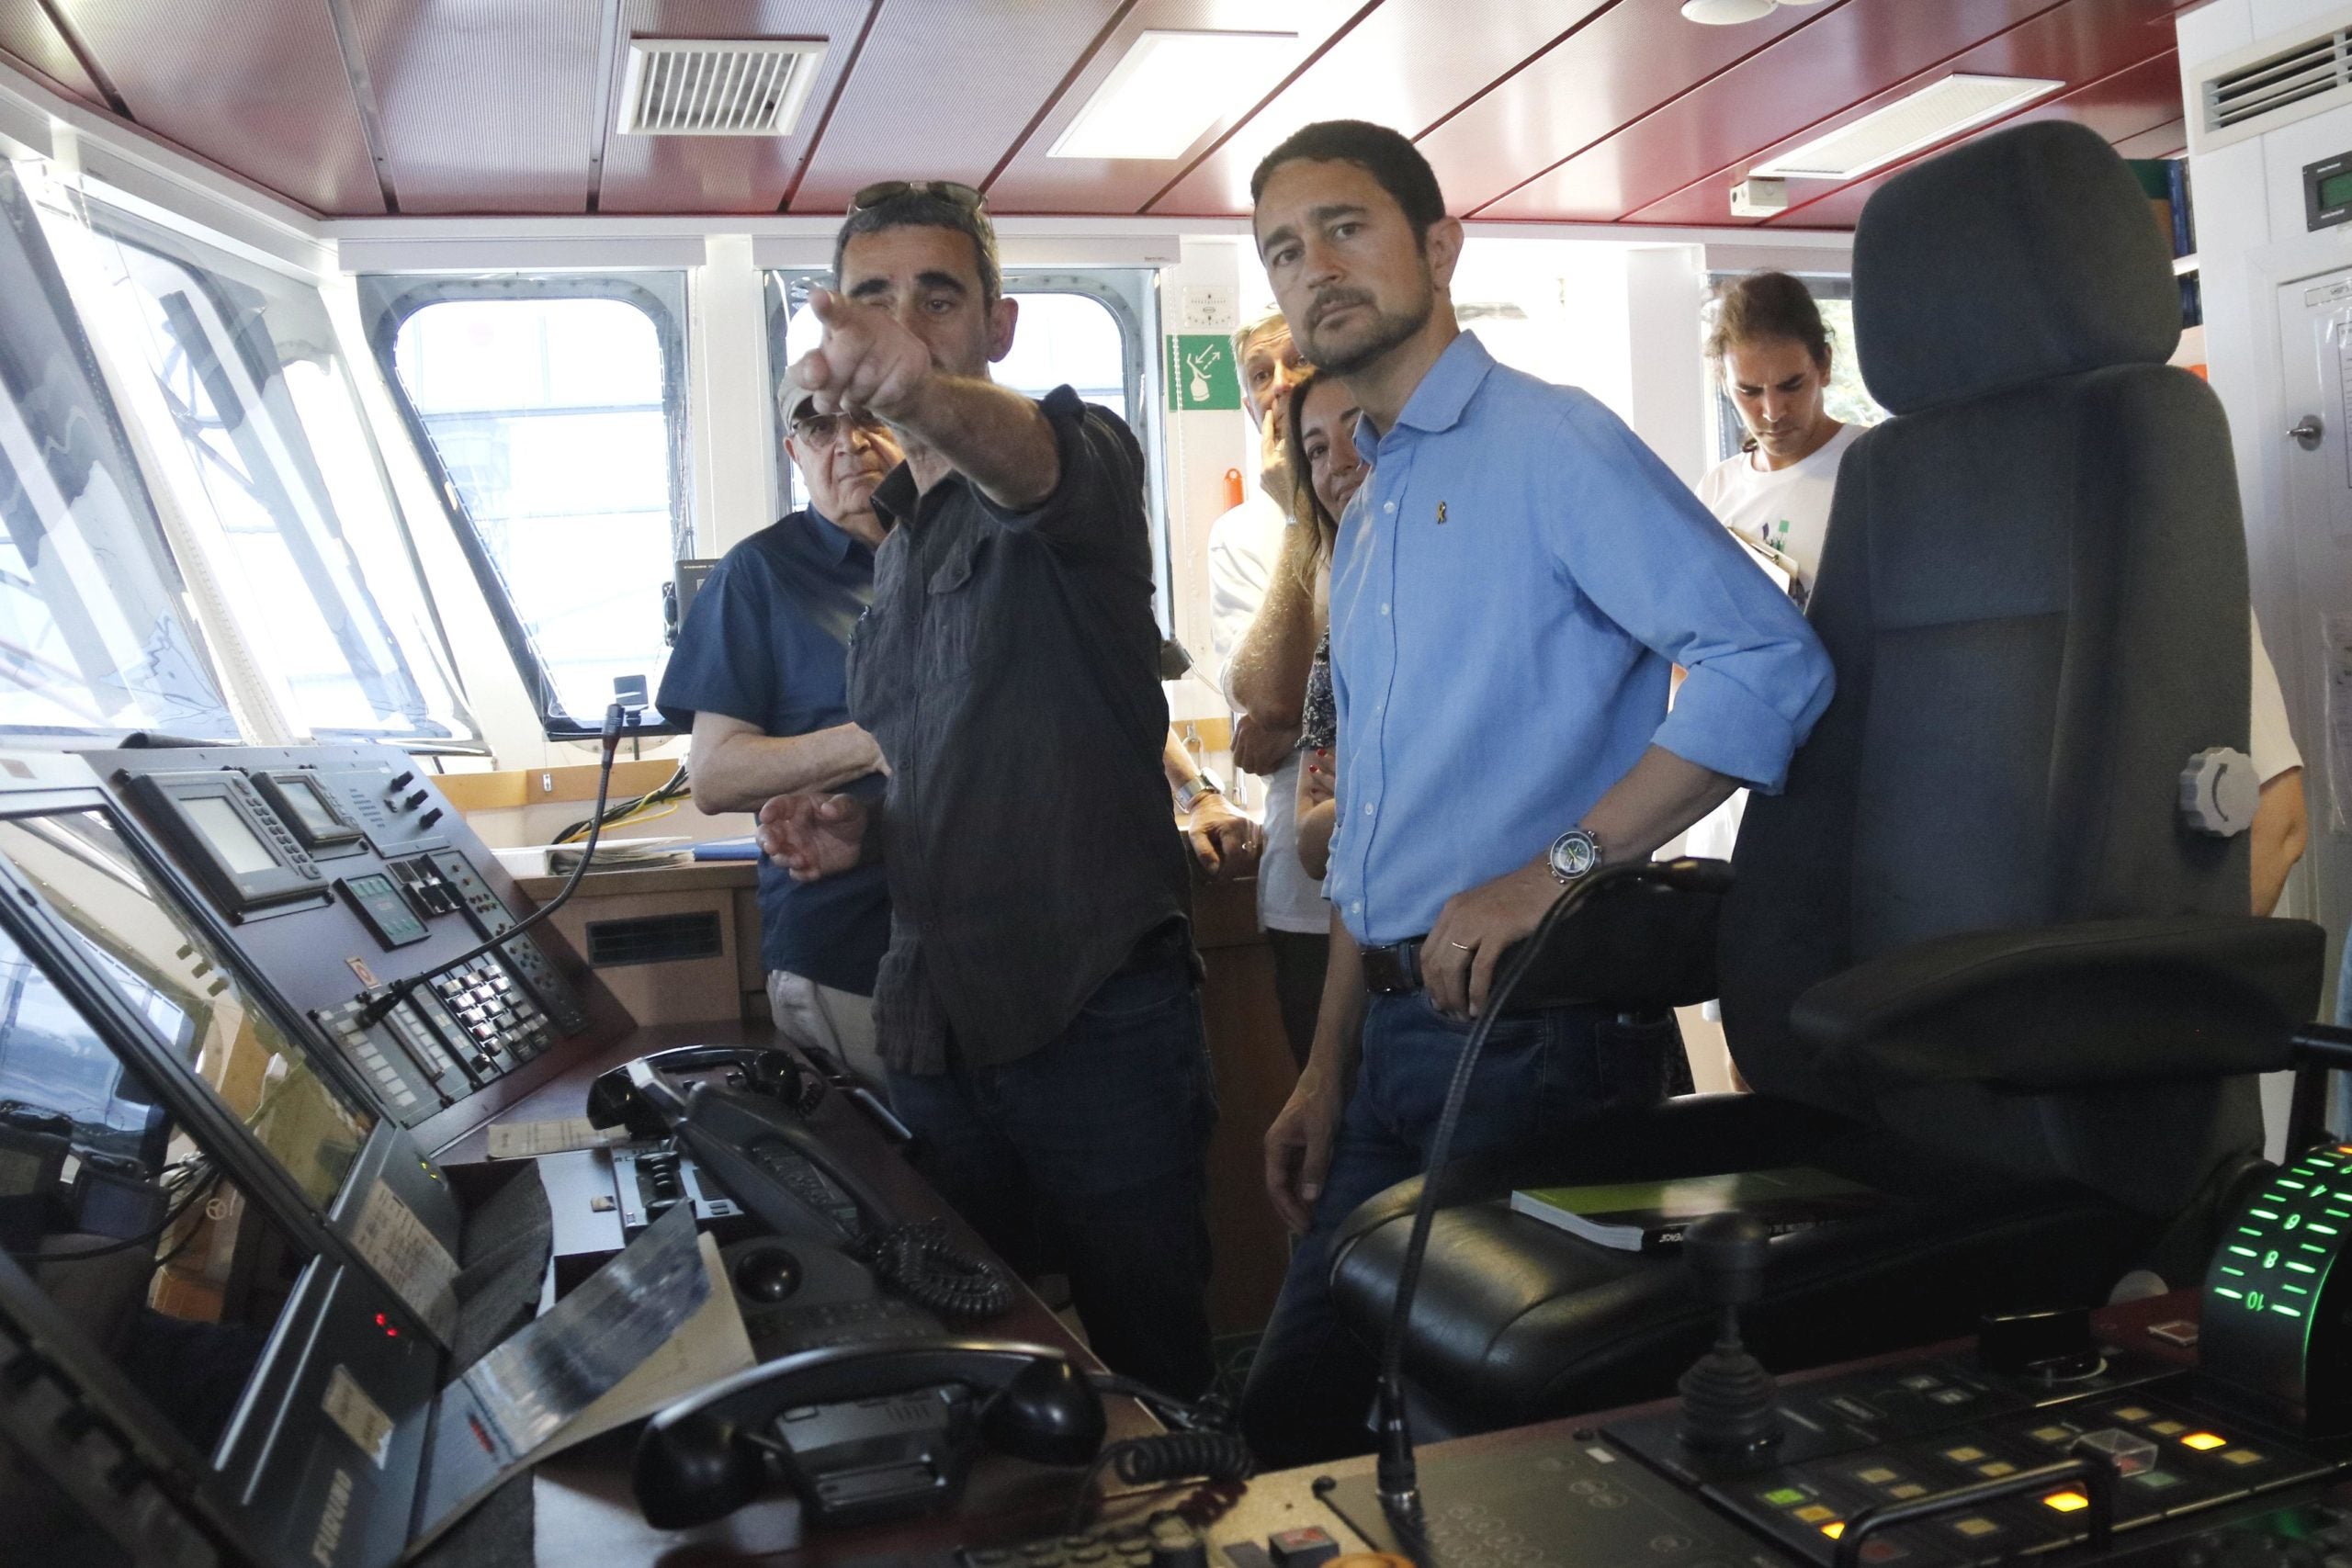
pixel 2054 1008
pixel 1640 939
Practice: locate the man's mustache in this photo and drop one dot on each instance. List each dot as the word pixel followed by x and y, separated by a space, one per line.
pixel 1333 299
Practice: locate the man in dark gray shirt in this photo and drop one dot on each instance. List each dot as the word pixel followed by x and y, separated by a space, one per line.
pixel 1037 1008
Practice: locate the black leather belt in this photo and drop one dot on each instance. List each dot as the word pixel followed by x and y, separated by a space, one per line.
pixel 1393 970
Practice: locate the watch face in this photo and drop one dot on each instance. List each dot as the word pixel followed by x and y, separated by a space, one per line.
pixel 1574 854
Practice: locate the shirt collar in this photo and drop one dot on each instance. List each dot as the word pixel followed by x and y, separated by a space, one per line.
pixel 896 496
pixel 1445 391
pixel 836 540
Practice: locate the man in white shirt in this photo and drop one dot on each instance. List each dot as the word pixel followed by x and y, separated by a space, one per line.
pixel 1245 545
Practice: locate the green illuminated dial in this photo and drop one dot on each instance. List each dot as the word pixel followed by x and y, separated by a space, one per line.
pixel 2265 1327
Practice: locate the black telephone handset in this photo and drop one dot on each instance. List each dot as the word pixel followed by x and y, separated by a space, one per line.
pixel 770 1162
pixel 615 1100
pixel 755 1143
pixel 709 1455
pixel 873 1432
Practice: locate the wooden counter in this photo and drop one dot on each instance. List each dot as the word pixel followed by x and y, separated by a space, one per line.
pixel 1254 1076
pixel 704 914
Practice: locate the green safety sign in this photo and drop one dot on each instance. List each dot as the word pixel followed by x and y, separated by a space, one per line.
pixel 1199 372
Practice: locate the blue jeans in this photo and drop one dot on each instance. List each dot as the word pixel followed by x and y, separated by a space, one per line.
pixel 1093 1151
pixel 1312 1383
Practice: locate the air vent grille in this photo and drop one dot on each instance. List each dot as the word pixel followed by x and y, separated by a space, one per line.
pixel 2274 82
pixel 654 939
pixel 718 86
pixel 2294 77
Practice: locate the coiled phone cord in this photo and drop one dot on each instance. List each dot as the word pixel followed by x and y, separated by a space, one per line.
pixel 919 1263
pixel 1219 1457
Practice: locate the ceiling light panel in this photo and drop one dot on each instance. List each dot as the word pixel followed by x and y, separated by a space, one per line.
pixel 1170 88
pixel 1935 113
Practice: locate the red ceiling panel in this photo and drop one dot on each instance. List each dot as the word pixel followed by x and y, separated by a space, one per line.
pixel 1625 63
pixel 2164 142
pixel 2080 42
pixel 2133 101
pixel 918 71
pixel 723 173
pixel 1035 183
pixel 1801 79
pixel 256 85
pixel 26 33
pixel 516 75
pixel 1409 64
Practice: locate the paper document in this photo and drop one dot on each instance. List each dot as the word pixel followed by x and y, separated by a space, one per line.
pixel 409 1258
pixel 529 1140
pixel 554 1368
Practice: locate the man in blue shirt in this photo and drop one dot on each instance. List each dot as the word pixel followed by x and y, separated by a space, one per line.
pixel 759 671
pixel 1510 591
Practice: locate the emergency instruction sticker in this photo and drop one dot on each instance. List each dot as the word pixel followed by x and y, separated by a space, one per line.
pixel 395 1243
pixel 361 1418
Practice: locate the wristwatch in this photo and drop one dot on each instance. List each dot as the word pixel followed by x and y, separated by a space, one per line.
pixel 1190 793
pixel 1573 854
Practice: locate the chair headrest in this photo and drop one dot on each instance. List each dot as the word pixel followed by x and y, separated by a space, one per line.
pixel 2026 254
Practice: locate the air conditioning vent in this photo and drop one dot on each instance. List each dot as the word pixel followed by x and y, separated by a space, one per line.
pixel 718 86
pixel 654 939
pixel 2274 82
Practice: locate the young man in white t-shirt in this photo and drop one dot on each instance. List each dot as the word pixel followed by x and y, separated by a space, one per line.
pixel 1769 349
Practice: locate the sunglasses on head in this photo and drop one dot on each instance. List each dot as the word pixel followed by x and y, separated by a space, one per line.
pixel 962 195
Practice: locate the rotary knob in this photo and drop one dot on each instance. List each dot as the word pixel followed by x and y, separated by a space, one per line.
pixel 2219 792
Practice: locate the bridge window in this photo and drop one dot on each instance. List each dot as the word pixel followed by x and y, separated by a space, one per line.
pixel 253 429
pixel 93 637
pixel 554 409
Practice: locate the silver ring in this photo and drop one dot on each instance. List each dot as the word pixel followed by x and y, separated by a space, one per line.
pixel 1462 945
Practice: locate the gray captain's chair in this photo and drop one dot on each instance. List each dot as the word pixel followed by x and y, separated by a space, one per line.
pixel 1978 953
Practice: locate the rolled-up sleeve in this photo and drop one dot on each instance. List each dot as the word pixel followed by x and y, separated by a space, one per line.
pixel 1098 499
pixel 1643 550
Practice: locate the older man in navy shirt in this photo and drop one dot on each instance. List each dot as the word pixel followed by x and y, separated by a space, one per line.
pixel 1510 590
pixel 759 671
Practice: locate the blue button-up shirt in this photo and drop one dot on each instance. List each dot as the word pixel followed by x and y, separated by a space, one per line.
pixel 765 642
pixel 1509 591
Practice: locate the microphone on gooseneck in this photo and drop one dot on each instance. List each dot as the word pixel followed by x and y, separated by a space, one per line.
pixel 1397 1478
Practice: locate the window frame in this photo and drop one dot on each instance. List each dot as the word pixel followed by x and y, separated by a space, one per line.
pixel 1131 294
pixel 387 300
pixel 135 487
pixel 212 277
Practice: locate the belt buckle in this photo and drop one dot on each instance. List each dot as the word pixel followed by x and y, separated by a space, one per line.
pixel 1393 970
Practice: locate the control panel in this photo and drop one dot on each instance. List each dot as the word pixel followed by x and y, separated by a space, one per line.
pixel 348 884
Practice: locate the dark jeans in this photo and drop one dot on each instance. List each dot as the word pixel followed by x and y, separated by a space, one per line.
pixel 1311 1386
pixel 1300 959
pixel 1093 1147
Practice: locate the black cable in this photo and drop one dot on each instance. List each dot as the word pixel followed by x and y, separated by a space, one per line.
pixel 616 717
pixel 1398 1475
pixel 203 1191
pixel 674 788
pixel 1220 1457
pixel 922 1264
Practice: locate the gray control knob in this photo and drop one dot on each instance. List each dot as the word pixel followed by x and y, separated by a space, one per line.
pixel 2219 792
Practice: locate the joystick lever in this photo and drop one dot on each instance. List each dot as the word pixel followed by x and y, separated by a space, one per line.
pixel 1727 1396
